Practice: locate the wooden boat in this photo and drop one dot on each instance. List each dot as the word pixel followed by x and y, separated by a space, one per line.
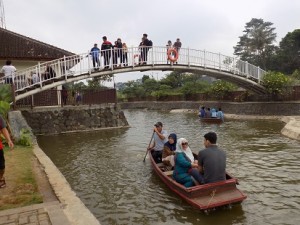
pixel 211 120
pixel 206 196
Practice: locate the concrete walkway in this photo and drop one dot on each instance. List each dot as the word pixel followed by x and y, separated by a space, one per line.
pixel 68 210
pixel 39 214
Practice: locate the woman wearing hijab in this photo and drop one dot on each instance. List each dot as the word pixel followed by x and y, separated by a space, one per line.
pixel 186 167
pixel 169 150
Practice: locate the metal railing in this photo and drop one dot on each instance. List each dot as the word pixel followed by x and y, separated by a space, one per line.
pixel 112 59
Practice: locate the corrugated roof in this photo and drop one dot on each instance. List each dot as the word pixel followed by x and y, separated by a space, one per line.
pixel 19 47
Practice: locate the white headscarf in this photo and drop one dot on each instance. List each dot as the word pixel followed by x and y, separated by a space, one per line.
pixel 188 152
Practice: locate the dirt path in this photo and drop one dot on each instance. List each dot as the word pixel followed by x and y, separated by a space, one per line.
pixel 42 181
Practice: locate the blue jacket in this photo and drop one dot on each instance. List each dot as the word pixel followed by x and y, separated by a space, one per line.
pixel 95 52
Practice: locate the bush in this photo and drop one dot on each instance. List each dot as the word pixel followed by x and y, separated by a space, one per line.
pixel 276 83
pixel 25 138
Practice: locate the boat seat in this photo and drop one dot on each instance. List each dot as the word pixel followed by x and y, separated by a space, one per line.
pixel 168 173
pixel 160 165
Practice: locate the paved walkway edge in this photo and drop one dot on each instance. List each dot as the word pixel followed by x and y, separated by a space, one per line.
pixel 76 212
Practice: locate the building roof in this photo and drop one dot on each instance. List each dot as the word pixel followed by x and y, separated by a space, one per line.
pixel 18 47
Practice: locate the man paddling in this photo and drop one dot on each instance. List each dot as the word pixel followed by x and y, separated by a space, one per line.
pixel 160 138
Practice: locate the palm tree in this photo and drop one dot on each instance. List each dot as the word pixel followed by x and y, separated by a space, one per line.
pixel 254 46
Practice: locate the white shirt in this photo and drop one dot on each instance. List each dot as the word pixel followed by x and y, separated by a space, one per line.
pixel 9 71
pixel 35 78
pixel 159 144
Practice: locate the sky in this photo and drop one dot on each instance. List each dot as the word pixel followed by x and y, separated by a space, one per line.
pixel 213 25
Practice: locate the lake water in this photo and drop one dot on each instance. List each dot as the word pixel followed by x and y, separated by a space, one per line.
pixel 106 170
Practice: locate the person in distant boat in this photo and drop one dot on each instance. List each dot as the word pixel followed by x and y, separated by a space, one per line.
pixel 208 113
pixel 212 160
pixel 202 112
pixel 220 114
pixel 160 138
pixel 169 150
pixel 186 167
pixel 213 113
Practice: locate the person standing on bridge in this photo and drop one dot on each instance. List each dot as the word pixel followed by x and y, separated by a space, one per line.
pixel 177 46
pixel 5 133
pixel 145 46
pixel 169 46
pixel 125 54
pixel 9 72
pixel 95 51
pixel 106 51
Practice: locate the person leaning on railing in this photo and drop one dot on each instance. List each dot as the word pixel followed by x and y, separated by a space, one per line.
pixel 9 72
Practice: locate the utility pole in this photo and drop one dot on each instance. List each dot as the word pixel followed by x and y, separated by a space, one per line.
pixel 2 15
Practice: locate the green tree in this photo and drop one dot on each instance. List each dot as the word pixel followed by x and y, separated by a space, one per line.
pixel 256 45
pixel 150 85
pixel 145 77
pixel 220 88
pixel 173 79
pixel 288 57
pixel 276 83
pixel 133 89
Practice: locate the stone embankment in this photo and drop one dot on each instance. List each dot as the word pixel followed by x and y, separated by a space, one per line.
pixel 50 120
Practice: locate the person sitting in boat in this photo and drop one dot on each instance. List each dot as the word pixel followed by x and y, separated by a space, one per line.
pixel 207 113
pixel 169 150
pixel 160 138
pixel 186 167
pixel 202 112
pixel 212 160
pixel 220 114
pixel 213 113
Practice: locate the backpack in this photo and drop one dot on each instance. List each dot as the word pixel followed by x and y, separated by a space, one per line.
pixel 150 43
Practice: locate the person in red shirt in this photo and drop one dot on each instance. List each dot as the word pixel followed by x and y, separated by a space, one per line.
pixel 4 131
pixel 106 51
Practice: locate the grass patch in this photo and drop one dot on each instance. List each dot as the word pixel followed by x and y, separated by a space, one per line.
pixel 21 186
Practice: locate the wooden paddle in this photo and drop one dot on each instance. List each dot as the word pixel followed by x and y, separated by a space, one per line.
pixel 148 146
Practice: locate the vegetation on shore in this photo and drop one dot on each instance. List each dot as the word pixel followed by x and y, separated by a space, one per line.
pixel 21 185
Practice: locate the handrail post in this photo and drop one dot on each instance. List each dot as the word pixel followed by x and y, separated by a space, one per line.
pixel 13 90
pixel 233 65
pixel 219 61
pixel 65 68
pixel 132 56
pixel 204 61
pixel 89 63
pixel 39 73
pixel 152 55
pixel 246 69
pixel 189 57
pixel 111 59
pixel 258 74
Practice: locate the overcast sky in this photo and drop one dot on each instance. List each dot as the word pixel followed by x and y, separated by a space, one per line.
pixel 213 25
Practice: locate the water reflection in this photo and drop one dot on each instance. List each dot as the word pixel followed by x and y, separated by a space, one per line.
pixel 106 170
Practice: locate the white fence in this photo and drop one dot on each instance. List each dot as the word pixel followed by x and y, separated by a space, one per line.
pixel 76 65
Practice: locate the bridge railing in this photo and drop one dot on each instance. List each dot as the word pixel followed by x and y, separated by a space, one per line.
pixel 75 65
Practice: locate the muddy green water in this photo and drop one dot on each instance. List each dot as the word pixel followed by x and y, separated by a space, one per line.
pixel 106 170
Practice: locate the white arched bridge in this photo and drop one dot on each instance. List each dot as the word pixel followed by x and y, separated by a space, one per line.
pixel 55 73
